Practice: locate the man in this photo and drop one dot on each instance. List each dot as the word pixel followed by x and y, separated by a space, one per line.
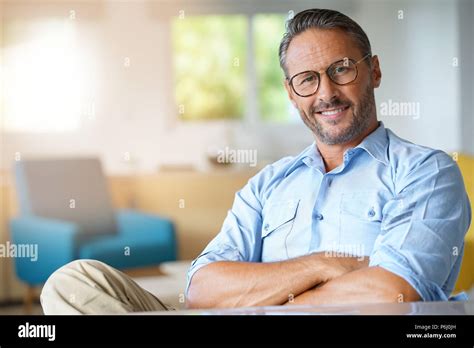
pixel 360 216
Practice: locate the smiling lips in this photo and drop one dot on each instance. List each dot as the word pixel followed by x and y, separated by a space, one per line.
pixel 333 112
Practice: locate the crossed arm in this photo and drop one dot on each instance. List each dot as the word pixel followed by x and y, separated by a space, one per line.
pixel 311 279
pixel 365 285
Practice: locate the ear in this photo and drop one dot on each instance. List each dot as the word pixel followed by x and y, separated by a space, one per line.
pixel 376 72
pixel 290 92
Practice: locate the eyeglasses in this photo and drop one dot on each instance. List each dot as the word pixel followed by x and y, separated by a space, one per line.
pixel 342 72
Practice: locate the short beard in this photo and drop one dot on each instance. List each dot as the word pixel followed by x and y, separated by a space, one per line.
pixel 360 121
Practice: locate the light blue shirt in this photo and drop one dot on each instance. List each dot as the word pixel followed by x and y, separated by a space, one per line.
pixel 401 204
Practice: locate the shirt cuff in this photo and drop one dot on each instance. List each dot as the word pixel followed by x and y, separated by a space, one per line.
pixel 389 259
pixel 221 253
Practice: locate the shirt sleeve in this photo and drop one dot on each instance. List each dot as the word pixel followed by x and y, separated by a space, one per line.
pixel 240 236
pixel 423 227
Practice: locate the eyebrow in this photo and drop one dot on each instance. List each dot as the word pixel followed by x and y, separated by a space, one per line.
pixel 335 61
pixel 324 69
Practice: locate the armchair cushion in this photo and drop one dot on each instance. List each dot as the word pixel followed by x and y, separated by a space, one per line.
pixel 55 241
pixel 143 240
pixel 72 190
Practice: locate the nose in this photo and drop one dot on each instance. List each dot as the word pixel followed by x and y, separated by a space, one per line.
pixel 327 90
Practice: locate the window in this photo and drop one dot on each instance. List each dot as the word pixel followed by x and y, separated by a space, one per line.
pixel 43 73
pixel 209 66
pixel 212 72
pixel 272 97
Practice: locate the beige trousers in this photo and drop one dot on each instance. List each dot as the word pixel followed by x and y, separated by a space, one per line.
pixel 92 287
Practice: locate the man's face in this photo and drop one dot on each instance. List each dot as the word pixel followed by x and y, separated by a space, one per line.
pixel 317 49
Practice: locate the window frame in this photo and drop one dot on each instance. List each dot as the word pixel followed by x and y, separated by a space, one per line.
pixel 249 9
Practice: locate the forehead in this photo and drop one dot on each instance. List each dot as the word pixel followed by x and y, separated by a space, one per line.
pixel 316 49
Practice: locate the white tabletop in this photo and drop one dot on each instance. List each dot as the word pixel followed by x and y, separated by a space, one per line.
pixel 408 308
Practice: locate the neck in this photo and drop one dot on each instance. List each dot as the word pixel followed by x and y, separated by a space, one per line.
pixel 333 154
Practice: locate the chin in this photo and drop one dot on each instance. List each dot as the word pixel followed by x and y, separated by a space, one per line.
pixel 335 127
pixel 334 133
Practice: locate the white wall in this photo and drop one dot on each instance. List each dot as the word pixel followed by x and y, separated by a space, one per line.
pixel 466 97
pixel 133 108
pixel 416 55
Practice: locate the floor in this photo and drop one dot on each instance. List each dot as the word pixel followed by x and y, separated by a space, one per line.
pixel 20 310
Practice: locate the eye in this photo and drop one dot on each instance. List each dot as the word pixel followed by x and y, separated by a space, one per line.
pixel 340 70
pixel 308 79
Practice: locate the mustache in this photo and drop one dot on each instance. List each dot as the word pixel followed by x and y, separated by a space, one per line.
pixel 333 104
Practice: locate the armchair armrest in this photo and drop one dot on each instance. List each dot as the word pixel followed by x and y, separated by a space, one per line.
pixel 141 226
pixel 53 240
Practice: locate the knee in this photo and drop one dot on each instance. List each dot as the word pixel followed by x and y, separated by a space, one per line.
pixel 82 264
pixel 66 277
pixel 65 282
pixel 74 268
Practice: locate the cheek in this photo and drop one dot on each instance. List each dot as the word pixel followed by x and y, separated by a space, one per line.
pixel 305 104
pixel 356 93
pixel 351 93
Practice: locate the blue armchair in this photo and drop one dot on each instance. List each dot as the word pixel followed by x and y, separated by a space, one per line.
pixel 66 211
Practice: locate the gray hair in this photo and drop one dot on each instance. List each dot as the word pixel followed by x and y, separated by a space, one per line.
pixel 322 19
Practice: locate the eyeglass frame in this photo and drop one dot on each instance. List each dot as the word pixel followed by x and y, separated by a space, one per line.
pixel 290 81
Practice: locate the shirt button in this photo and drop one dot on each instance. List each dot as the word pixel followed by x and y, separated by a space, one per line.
pixel 319 216
pixel 371 213
pixel 266 227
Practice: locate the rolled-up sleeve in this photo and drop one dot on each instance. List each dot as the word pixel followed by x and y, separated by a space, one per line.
pixel 423 227
pixel 240 236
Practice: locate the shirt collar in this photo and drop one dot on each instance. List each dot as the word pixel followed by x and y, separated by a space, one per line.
pixel 309 156
pixel 375 144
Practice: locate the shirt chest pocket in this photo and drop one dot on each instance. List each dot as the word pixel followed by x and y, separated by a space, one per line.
pixel 277 225
pixel 360 220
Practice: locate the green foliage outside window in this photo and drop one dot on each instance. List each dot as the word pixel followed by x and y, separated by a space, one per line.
pixel 272 96
pixel 209 66
pixel 210 55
